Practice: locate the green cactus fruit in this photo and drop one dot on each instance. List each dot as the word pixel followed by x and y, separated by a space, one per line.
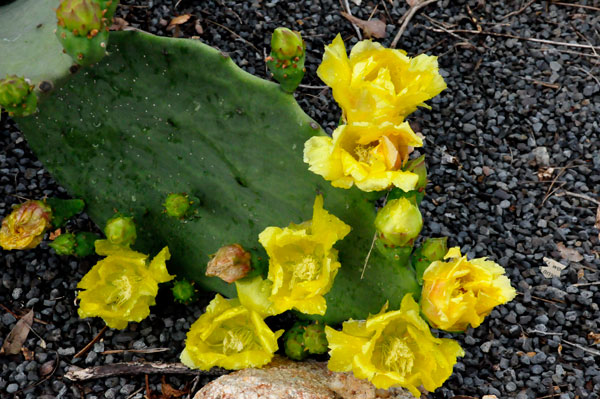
pixel 64 244
pixel 234 140
pixel 184 291
pixel 286 61
pixel 17 96
pixel 177 205
pixel 399 222
pixel 85 243
pixel 120 230
pixel 315 339
pixel 63 210
pixel 82 30
pixel 293 341
pixel 108 8
pixel 431 250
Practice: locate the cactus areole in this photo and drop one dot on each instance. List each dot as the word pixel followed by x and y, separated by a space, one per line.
pixel 166 125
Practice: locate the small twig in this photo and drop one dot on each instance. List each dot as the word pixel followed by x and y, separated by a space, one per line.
pixel 313 87
pixel 46 378
pixel 575 5
pixel 541 83
pixel 544 299
pixel 583 348
pixel 146 351
pixel 148 391
pixel 233 33
pixel 585 284
pixel 407 17
pixel 442 27
pixel 136 392
pixel 529 39
pixel 134 368
pixel 583 196
pixel 16 316
pixel 589 73
pixel 570 52
pixel 532 331
pixel 91 343
pixel 356 28
pixel 519 11
pixel 550 192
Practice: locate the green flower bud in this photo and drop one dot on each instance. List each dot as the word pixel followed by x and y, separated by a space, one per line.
pixel 183 291
pixel 399 222
pixel 286 61
pixel 81 17
pixel 17 96
pixel 120 230
pixel 64 244
pixel 177 205
pixel 435 248
pixel 315 339
pixel 85 243
pixel 293 342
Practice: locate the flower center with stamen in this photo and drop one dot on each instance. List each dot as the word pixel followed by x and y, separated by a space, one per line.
pixel 236 340
pixel 121 293
pixel 307 269
pixel 396 355
pixel 364 153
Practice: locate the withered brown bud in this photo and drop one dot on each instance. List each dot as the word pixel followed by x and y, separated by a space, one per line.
pixel 230 263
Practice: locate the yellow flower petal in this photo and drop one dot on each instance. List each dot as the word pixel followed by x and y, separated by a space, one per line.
pixel 229 335
pixel 458 293
pixel 25 226
pixel 302 261
pixel 393 349
pixel 122 287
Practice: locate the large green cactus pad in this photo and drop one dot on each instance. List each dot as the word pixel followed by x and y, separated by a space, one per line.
pixel 28 46
pixel 164 115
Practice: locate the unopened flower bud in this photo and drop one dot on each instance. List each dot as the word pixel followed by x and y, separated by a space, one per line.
pixel 315 340
pixel 435 248
pixel 230 263
pixel 177 204
pixel 120 230
pixel 183 291
pixel 24 228
pixel 399 222
pixel 64 244
pixel 80 16
pixel 286 42
pixel 293 342
pixel 17 96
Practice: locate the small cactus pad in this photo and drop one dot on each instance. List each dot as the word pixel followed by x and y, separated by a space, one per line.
pixel 17 96
pixel 154 127
pixel 183 291
pixel 286 61
pixel 177 204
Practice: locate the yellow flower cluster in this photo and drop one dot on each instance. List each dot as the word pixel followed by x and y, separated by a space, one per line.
pixel 393 348
pixel 462 292
pixel 24 228
pixel 376 89
pixel 229 335
pixel 121 287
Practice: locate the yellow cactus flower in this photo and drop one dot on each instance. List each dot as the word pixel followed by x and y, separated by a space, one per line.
pixel 460 292
pixel 302 261
pixel 370 156
pixel 393 348
pixel 378 84
pixel 229 335
pixel 24 228
pixel 121 287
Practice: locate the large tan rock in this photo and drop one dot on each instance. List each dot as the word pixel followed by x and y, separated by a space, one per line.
pixel 285 379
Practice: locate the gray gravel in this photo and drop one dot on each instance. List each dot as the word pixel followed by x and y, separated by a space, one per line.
pixel 513 109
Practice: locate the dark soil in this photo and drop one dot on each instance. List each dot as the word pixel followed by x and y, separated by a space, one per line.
pixel 513 109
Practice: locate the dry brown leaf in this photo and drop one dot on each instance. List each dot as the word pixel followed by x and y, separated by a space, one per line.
pixel 119 24
pixel 198 28
pixel 371 28
pixel 16 337
pixel 569 254
pixel 413 3
pixel 168 392
pixel 46 368
pixel 27 354
pixel 181 19
pixel 544 174
pixel 594 337
pixel 54 234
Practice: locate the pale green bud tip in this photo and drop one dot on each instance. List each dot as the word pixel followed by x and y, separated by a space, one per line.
pixel 64 244
pixel 287 43
pixel 183 291
pixel 293 342
pixel 435 248
pixel 177 204
pixel 120 230
pixel 399 222
pixel 81 17
pixel 17 96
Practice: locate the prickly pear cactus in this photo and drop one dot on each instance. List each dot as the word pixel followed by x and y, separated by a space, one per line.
pixel 187 119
